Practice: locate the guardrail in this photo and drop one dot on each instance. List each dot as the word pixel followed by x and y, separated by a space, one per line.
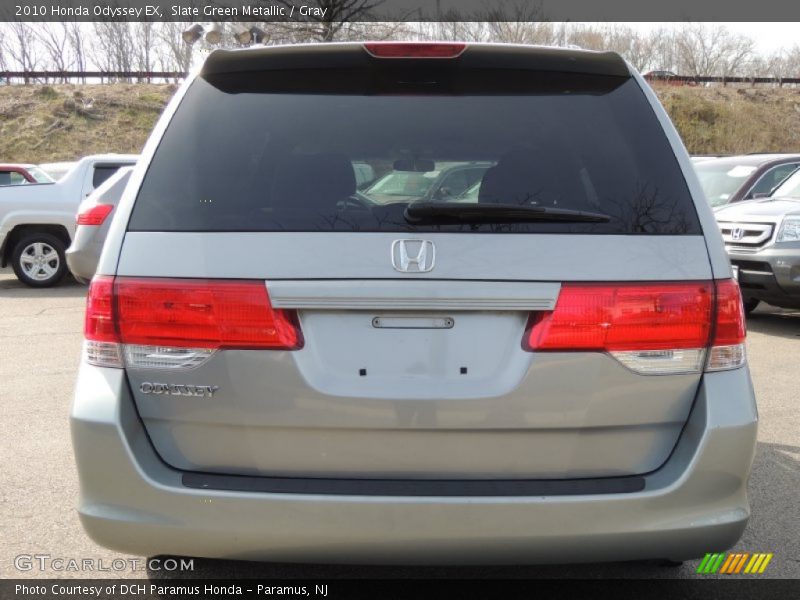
pixel 690 80
pixel 13 77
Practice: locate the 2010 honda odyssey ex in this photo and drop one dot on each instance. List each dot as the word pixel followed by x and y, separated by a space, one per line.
pixel 279 367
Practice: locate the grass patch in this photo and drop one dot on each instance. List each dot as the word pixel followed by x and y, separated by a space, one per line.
pixel 42 123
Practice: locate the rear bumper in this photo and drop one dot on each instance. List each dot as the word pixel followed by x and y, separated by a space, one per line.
pixel 695 503
pixel 771 275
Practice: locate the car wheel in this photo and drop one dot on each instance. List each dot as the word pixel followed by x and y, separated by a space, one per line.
pixel 750 305
pixel 38 260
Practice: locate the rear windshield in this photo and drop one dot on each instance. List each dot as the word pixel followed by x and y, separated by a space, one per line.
pixel 351 151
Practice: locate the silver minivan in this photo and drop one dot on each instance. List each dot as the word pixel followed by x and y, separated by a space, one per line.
pixel 279 367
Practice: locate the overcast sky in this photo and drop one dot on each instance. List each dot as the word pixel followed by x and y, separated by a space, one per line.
pixel 767 36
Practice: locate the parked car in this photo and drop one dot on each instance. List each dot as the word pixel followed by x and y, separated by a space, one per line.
pixel 57 170
pixel 22 174
pixel 667 77
pixel 762 238
pixel 277 370
pixel 735 178
pixel 93 221
pixel 37 222
pixel 433 181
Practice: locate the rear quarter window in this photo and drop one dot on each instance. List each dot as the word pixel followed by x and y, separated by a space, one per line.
pixel 102 173
pixel 262 152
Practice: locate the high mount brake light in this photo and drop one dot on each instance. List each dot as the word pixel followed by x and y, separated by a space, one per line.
pixel 658 328
pixel 95 215
pixel 414 49
pixel 175 323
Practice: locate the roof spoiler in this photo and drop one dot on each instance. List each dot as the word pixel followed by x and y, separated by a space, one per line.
pixel 351 55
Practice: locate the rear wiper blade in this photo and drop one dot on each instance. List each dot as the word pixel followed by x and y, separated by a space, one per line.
pixel 496 213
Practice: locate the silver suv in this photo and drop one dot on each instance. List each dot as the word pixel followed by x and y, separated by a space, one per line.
pixel 279 367
pixel 763 242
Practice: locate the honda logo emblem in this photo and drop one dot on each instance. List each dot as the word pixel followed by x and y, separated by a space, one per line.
pixel 737 233
pixel 413 256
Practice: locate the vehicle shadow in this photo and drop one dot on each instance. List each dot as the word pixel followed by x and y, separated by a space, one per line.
pixel 772 489
pixel 11 287
pixel 779 322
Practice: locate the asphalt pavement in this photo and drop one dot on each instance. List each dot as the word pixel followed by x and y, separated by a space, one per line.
pixel 40 344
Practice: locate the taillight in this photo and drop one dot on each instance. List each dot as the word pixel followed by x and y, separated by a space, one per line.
pixel 414 49
pixel 727 348
pixel 626 317
pixel 178 323
pixel 100 330
pixel 94 215
pixel 659 328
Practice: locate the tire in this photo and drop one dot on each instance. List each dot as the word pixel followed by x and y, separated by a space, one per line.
pixel 38 260
pixel 750 305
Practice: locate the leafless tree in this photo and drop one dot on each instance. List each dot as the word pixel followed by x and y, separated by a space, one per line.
pixel 791 62
pixel 3 65
pixel 143 36
pixel 382 30
pixel 451 28
pixel 113 46
pixel 77 46
pixel 329 26
pixel 586 36
pixel 640 49
pixel 513 22
pixel 518 22
pixel 665 51
pixel 711 50
pixel 53 38
pixel 174 54
pixel 523 32
pixel 20 47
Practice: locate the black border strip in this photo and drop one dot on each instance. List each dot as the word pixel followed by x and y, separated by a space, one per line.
pixel 415 487
pixel 297 11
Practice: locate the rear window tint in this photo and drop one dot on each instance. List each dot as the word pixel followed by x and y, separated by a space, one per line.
pixel 101 173
pixel 289 151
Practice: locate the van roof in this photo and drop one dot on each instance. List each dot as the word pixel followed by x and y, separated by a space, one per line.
pixel 349 55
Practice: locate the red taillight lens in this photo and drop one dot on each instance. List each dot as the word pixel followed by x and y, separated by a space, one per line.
pixel 730 326
pixel 95 215
pixel 187 313
pixel 196 313
pixel 414 49
pixel 621 317
pixel 99 325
